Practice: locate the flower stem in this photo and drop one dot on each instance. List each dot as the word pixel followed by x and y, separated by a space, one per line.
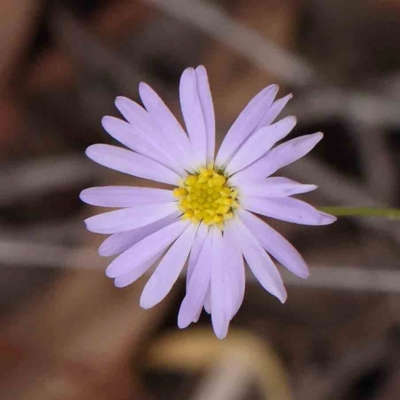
pixel 389 213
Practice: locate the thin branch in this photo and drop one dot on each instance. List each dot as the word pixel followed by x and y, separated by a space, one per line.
pixel 370 109
pixel 26 253
pixel 38 177
pixel 212 20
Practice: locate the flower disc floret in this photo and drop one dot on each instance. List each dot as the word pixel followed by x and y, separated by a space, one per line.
pixel 206 197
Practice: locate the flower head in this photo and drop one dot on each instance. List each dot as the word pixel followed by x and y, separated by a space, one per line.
pixel 207 217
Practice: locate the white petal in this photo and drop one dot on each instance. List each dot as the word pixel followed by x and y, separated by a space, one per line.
pixel 259 143
pixel 124 133
pixel 119 242
pixel 146 249
pixel 220 323
pixel 197 316
pixel 275 187
pixel 245 124
pixel 129 136
pixel 131 163
pixel 127 219
pixel 235 271
pixel 207 301
pixel 198 243
pixel 275 244
pixel 141 120
pixel 207 106
pixel 193 115
pixel 125 196
pixel 275 109
pixel 258 260
pixel 136 115
pixel 287 209
pixel 167 272
pixel 130 277
pixel 220 302
pixel 166 122
pixel 282 155
pixel 198 284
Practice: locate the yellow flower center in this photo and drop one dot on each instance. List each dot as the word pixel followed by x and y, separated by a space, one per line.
pixel 206 197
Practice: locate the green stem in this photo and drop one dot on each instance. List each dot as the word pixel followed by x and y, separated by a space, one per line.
pixel 390 213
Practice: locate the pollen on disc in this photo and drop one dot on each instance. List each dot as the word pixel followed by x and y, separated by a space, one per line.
pixel 206 197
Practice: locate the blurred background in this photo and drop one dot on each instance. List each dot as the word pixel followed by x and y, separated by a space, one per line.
pixel 66 331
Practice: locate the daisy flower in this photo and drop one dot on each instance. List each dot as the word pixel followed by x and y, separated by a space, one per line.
pixel 207 217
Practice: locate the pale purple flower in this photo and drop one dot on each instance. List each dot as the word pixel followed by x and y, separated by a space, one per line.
pixel 207 217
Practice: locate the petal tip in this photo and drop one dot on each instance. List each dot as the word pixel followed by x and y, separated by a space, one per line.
pixel 92 226
pixel 88 149
pixel 282 294
pixel 121 102
pixel 143 86
pixel 145 304
pixel 283 298
pixel 221 337
pixel 87 222
pixel 291 119
pixel 304 274
pixel 105 121
pixel 183 316
pixel 188 70
pixel 183 323
pixel 220 324
pixel 120 99
pixel 110 273
pixel 201 69
pixel 221 334
pixel 82 195
pixel 327 219
pixel 146 299
pixel 91 150
pixel 118 284
pixel 274 88
pixel 102 252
